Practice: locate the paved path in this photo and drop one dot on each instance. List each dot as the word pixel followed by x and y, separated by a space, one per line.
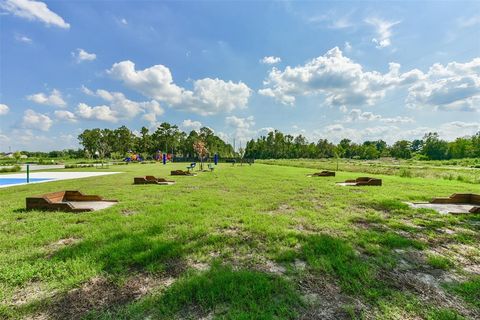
pixel 55 176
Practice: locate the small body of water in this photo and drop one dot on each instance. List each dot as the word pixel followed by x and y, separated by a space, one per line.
pixel 11 181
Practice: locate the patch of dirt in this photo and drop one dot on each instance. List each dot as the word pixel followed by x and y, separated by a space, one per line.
pixel 231 231
pixel 300 265
pixel 272 267
pixel 427 287
pixel 37 316
pixel 29 293
pixel 100 293
pixel 175 267
pixel 129 212
pixel 53 247
pixel 325 301
pixel 200 266
pixel 284 208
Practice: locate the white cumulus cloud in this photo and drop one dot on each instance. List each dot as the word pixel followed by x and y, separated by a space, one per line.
pixel 35 120
pixel 357 115
pixel 342 81
pixel 120 107
pixel 81 55
pixel 270 60
pixel 65 115
pixel 54 99
pixel 208 97
pixel 103 113
pixel 242 127
pixel 4 109
pixel 455 86
pixel 191 124
pixel 33 10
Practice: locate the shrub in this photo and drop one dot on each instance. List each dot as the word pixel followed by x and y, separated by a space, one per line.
pixel 405 173
pixel 15 168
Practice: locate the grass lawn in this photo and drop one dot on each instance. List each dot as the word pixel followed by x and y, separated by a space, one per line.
pixel 243 242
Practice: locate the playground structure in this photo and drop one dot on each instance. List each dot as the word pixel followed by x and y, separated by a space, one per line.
pixel 457 203
pixel 361 181
pixel 322 174
pixel 68 201
pixel 152 180
pixel 133 157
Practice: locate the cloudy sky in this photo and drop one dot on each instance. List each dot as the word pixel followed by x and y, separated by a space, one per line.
pixel 354 69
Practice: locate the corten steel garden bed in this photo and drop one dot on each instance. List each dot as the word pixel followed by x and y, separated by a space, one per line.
pixel 68 201
pixel 322 174
pixel 182 173
pixel 152 180
pixel 361 181
pixel 457 203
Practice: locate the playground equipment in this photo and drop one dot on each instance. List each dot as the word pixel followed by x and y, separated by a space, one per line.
pixel 68 201
pixel 133 157
pixel 361 181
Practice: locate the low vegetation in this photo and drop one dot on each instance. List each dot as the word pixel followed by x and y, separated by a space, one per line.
pixel 241 242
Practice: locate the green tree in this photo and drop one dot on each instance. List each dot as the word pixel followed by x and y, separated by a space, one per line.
pixel 433 147
pixel 401 149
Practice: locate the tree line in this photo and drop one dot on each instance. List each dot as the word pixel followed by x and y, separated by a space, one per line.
pixel 167 138
pixel 277 145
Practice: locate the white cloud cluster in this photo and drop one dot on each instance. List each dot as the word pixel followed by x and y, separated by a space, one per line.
pixel 270 60
pixel 33 10
pixel 4 109
pixel 119 107
pixel 103 113
pixel 191 125
pixel 35 120
pixel 81 55
pixel 455 86
pixel 392 133
pixel 383 29
pixel 54 99
pixel 242 127
pixel 65 115
pixel 341 80
pixel 356 115
pixel 209 96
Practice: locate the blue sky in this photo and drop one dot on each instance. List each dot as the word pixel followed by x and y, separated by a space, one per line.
pixel 339 69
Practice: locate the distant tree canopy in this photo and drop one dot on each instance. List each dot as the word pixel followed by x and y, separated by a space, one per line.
pixel 166 138
pixel 276 145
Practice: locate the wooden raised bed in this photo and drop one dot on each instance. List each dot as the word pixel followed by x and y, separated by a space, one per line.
pixel 362 181
pixel 152 180
pixel 181 173
pixel 461 198
pixel 68 201
pixel 323 174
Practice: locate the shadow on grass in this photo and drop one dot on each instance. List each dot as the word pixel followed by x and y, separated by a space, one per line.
pixel 230 294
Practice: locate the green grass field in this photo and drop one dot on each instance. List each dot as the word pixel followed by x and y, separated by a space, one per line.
pixel 244 242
